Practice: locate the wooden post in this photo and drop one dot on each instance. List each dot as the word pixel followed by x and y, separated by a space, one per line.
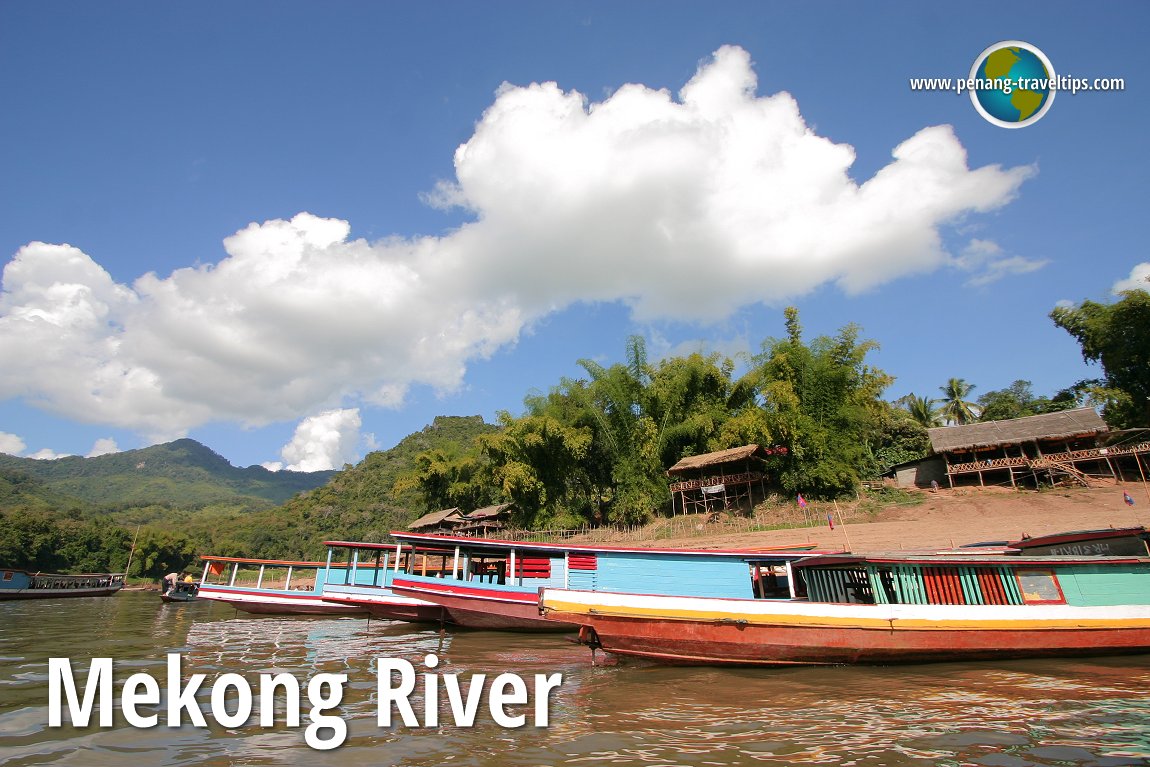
pixel 1138 460
pixel 843 525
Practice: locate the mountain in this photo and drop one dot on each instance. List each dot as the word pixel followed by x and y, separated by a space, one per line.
pixel 359 503
pixel 183 473
pixel 181 499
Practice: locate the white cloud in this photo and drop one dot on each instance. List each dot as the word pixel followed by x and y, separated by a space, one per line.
pixel 104 446
pixel 324 441
pixel 10 444
pixel 990 264
pixel 1139 279
pixel 48 454
pixel 686 208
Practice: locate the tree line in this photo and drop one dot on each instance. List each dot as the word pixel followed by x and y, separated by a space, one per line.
pixel 595 449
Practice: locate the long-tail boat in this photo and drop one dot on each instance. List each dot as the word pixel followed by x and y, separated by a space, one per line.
pixel 882 608
pixel 494 584
pixel 272 586
pixel 365 582
pixel 24 584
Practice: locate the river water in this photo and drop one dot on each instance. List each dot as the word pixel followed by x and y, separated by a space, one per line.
pixel 630 713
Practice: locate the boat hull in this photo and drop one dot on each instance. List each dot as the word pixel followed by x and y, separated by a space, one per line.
pixel 799 633
pixel 272 603
pixel 479 608
pixel 389 607
pixel 59 593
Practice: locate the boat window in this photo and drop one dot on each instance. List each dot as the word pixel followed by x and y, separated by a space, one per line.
pixel 488 570
pixel 838 584
pixel 7 575
pixel 1039 586
pixel 769 581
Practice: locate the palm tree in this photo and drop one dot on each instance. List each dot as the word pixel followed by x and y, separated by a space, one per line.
pixel 922 410
pixel 955 408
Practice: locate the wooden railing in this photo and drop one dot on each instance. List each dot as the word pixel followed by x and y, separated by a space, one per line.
pixel 724 479
pixel 1050 460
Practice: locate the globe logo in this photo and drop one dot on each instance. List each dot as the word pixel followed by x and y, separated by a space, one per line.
pixel 1013 84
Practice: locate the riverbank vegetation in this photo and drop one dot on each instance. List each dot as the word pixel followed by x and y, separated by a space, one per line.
pixel 592 451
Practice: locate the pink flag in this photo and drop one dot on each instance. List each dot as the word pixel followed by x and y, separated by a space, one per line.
pixel 802 501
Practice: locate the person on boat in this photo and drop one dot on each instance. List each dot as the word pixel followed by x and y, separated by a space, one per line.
pixel 170 582
pixel 188 578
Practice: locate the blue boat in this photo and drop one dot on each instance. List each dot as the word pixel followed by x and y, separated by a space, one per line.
pixel 364 578
pixel 494 584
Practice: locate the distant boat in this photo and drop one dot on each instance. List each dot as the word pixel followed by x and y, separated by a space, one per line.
pixel 1114 542
pixel 489 583
pixel 181 593
pixel 884 609
pixel 271 586
pixel 23 584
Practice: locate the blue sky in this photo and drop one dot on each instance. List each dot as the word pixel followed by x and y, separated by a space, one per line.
pixel 298 231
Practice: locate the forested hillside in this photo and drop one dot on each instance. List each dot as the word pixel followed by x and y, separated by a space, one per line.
pixel 184 473
pixel 180 500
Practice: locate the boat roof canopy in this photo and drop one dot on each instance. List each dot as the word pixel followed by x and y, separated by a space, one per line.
pixel 424 540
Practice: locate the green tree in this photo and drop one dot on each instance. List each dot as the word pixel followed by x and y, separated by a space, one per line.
pixel 823 402
pixel 1116 336
pixel 923 410
pixel 535 462
pixel 900 438
pixel 159 552
pixel 448 479
pixel 955 407
pixel 620 403
pixel 1018 401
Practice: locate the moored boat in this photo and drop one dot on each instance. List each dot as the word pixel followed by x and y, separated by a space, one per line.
pixel 272 586
pixel 1112 541
pixel 488 583
pixel 884 609
pixel 365 582
pixel 180 593
pixel 23 584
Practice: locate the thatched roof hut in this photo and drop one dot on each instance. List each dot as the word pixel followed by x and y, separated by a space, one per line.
pixel 1064 425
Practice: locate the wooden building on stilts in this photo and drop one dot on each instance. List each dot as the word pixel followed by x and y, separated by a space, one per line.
pixel 1068 445
pixel 725 480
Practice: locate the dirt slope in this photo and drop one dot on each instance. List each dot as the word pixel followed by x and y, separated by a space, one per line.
pixel 954 517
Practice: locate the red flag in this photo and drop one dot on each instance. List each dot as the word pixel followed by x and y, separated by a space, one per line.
pixel 802 501
pixel 830 520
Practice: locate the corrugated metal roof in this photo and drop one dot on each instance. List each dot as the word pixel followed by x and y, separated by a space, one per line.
pixel 1061 425
pixel 721 456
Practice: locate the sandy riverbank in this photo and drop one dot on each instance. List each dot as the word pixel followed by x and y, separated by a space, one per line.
pixel 954 517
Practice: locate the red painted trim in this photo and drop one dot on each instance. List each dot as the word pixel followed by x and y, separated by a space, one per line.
pixel 526 597
pixel 215 589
